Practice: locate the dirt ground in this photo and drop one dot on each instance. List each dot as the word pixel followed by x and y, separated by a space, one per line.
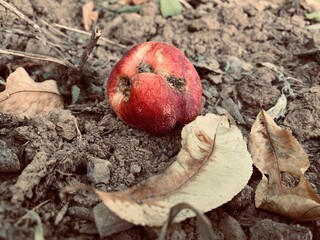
pixel 229 43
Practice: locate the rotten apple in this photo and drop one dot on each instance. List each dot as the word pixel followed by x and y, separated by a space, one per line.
pixel 154 87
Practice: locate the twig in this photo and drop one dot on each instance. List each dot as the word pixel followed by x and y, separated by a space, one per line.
pixel 32 210
pixel 88 34
pixel 78 130
pixel 96 33
pixel 44 33
pixel 75 72
pixel 35 56
pixel 61 214
pixel 20 33
pixel 41 204
pixel 20 14
pixel 185 4
pixel 55 29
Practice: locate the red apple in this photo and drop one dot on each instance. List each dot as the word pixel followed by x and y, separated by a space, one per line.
pixel 154 87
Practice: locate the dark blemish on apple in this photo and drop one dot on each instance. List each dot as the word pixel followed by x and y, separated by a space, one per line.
pixel 124 85
pixel 178 84
pixel 144 67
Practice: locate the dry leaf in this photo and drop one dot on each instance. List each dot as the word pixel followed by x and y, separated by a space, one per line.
pixel 282 162
pixel 280 109
pixel 314 4
pixel 88 15
pixel 211 168
pixel 24 97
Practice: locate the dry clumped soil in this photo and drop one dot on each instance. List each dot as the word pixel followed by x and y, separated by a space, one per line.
pixel 227 41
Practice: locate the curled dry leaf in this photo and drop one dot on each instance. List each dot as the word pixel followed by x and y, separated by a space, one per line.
pixel 88 15
pixel 212 166
pixel 279 110
pixel 24 97
pixel 282 162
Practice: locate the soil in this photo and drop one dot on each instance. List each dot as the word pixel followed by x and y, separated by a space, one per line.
pixel 229 43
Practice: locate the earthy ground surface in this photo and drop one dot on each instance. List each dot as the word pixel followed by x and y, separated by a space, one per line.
pixel 227 41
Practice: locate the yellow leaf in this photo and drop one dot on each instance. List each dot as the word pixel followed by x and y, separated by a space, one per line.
pixel 282 161
pixel 24 97
pixel 211 168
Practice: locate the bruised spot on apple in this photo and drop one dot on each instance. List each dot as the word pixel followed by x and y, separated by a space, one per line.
pixel 154 87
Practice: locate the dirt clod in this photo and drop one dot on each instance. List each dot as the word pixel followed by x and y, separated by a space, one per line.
pixel 267 229
pixel 9 161
pixel 107 222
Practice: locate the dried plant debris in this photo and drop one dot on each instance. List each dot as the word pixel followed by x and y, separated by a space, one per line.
pixel 282 162
pixel 23 97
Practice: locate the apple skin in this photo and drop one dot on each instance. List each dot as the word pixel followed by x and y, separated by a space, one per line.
pixel 154 87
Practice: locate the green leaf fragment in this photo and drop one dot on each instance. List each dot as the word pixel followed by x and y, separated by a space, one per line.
pixel 129 9
pixel 170 8
pixel 75 94
pixel 314 15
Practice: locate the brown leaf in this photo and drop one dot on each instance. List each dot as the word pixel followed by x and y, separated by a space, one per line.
pixel 211 168
pixel 88 15
pixel 24 97
pixel 282 162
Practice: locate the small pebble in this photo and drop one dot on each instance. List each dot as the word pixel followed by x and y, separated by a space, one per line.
pixel 98 170
pixel 135 168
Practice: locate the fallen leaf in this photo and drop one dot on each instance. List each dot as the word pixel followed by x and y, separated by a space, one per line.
pixel 313 15
pixel 282 162
pixel 75 94
pixel 88 15
pixel 24 97
pixel 212 166
pixel 170 8
pixel 280 109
